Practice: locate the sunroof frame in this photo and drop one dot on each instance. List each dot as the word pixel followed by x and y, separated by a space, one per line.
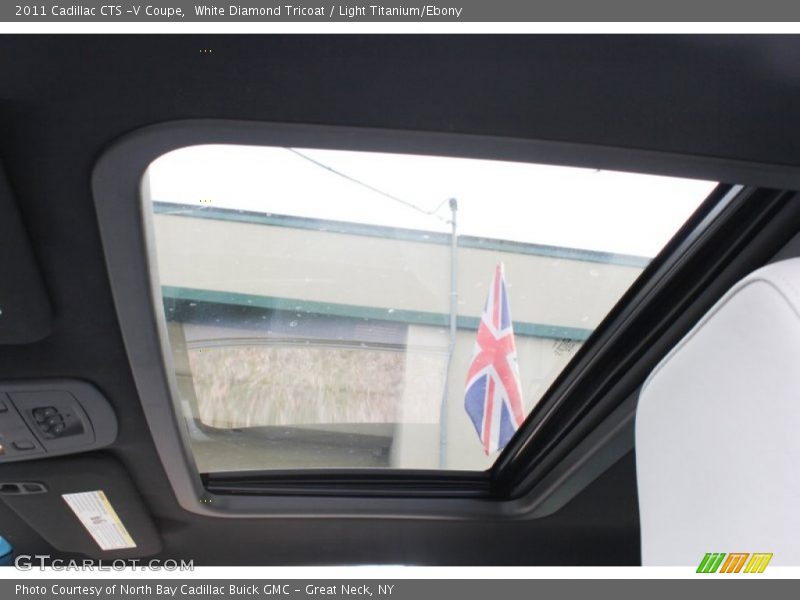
pixel 126 233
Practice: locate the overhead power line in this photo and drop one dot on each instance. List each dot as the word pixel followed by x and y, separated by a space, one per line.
pixel 372 188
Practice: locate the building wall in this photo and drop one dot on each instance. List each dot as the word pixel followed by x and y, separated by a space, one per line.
pixel 555 302
pixel 380 273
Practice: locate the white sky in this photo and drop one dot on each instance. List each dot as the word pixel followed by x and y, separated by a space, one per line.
pixel 560 206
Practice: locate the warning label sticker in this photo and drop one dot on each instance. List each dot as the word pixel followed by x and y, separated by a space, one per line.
pixel 100 519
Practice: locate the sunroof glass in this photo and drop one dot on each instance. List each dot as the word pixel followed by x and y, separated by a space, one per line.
pixel 339 309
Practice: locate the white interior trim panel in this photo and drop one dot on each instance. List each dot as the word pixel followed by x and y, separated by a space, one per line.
pixel 718 430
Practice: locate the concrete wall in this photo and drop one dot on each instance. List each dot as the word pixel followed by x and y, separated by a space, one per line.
pixel 368 271
pixel 404 279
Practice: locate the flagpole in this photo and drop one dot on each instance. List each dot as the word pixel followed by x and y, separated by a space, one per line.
pixel 453 203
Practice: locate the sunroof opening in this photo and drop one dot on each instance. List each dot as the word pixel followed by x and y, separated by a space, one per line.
pixel 343 309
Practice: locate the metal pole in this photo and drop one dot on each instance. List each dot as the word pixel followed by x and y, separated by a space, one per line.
pixel 453 330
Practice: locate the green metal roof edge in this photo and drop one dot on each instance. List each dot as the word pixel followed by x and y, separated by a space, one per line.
pixel 412 235
pixel 412 317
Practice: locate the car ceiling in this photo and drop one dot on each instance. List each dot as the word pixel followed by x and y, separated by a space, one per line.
pixel 64 99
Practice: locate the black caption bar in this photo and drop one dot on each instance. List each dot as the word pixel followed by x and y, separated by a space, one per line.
pixel 398 589
pixel 275 10
pixel 404 11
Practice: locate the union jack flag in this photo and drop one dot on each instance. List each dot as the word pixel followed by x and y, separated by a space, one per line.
pixel 493 397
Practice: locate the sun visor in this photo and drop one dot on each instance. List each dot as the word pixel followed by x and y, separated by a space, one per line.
pixel 25 312
pixel 85 505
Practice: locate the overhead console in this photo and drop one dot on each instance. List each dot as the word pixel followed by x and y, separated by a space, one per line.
pixel 51 418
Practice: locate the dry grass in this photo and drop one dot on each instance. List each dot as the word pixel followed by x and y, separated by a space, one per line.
pixel 245 386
